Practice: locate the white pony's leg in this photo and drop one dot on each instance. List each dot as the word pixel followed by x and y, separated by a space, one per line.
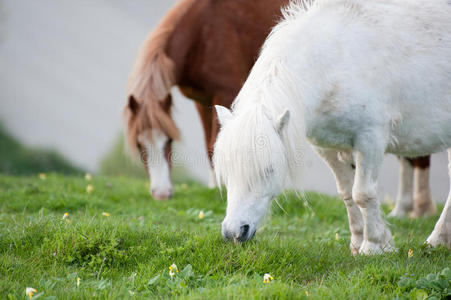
pixel 212 179
pixel 404 203
pixel 343 168
pixel 442 230
pixel 376 236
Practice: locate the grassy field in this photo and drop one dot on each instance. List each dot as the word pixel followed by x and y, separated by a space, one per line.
pixel 120 244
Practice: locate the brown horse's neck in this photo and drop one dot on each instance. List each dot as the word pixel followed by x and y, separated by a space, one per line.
pixel 214 46
pixel 216 43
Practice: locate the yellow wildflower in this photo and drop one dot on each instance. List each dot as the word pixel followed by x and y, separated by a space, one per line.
pixel 66 215
pixel 389 201
pixel 89 189
pixel 337 237
pixel 184 186
pixel 105 214
pixel 410 253
pixel 29 291
pixel 88 177
pixel 267 278
pixel 307 293
pixel 173 269
pixel 201 215
pixel 78 281
pixel 42 176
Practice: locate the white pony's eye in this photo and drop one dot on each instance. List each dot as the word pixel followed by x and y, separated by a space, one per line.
pixel 269 171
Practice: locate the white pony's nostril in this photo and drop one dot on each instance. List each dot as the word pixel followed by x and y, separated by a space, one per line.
pixel 243 231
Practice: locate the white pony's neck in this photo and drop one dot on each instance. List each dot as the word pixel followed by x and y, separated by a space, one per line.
pixel 271 89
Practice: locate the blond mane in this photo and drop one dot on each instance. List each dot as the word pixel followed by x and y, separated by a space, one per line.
pixel 151 79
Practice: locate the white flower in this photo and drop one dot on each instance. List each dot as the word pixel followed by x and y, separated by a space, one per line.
pixel 29 291
pixel 173 269
pixel 89 189
pixel 88 177
pixel 267 278
pixel 201 215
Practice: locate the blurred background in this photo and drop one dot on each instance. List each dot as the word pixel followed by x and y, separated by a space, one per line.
pixel 64 66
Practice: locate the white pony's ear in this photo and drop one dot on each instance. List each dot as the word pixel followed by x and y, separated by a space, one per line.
pixel 282 121
pixel 224 114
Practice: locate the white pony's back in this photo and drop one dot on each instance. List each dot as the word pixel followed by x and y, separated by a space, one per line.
pixel 394 57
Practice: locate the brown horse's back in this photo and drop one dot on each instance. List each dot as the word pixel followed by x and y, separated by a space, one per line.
pixel 217 42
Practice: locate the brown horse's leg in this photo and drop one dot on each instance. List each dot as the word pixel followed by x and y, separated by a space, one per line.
pixel 206 117
pixel 422 201
pixel 205 114
pixel 404 200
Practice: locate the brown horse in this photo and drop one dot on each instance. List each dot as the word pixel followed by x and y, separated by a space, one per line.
pixel 414 194
pixel 207 48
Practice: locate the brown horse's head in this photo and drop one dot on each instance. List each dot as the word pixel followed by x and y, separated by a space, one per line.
pixel 150 131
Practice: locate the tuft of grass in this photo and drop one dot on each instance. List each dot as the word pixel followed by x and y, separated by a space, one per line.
pixel 17 159
pixel 120 243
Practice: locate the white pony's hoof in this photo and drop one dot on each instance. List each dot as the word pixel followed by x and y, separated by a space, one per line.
pixel 437 239
pixel 398 213
pixel 212 184
pixel 356 243
pixel 424 211
pixel 370 248
pixel 212 180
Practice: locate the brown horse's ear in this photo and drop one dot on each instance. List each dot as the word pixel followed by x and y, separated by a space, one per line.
pixel 133 105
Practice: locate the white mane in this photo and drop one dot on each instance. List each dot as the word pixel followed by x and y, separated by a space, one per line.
pixel 268 92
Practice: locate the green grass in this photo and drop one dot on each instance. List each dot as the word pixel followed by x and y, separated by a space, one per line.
pixel 127 254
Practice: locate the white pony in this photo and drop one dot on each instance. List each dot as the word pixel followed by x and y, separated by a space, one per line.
pixel 357 78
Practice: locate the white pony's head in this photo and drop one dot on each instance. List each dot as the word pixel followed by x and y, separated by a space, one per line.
pixel 250 160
